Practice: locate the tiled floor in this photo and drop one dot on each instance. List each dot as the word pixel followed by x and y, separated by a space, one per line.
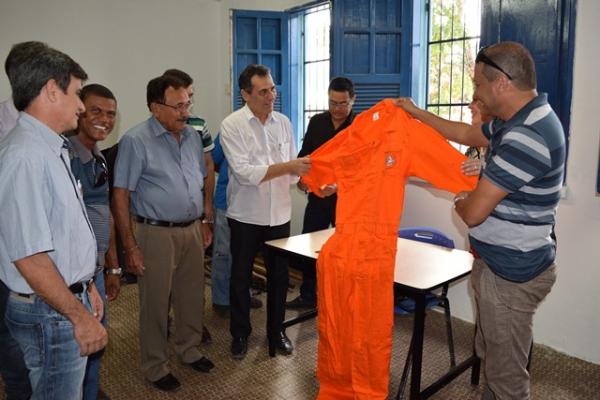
pixel 555 376
pixel 258 377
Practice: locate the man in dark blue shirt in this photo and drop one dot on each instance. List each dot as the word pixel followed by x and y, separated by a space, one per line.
pixel 90 171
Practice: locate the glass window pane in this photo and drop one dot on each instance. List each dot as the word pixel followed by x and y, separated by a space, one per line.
pixel 445 65
pixel 435 21
pixel 317 23
pixel 444 112
pixel 434 74
pixel 317 29
pixel 455 113
pixel 472 16
pixel 454 28
pixel 316 80
pixel 458 24
pixel 457 87
pixel 445 18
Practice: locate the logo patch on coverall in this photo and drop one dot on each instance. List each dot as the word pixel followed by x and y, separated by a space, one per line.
pixel 389 160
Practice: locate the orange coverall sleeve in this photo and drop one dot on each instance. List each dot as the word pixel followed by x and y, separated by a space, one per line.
pixel 436 161
pixel 321 169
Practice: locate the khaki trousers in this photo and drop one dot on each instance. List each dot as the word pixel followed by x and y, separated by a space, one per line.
pixel 505 312
pixel 174 268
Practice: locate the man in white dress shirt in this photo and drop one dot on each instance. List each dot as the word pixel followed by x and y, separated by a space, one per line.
pixel 259 147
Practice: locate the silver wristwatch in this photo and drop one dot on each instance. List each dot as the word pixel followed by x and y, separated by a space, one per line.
pixel 114 271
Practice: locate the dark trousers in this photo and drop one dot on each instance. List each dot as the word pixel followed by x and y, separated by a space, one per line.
pixel 12 366
pixel 246 241
pixel 317 216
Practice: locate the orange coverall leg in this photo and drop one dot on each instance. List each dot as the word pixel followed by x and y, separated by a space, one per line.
pixel 357 300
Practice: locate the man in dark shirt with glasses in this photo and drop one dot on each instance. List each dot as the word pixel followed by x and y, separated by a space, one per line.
pixel 320 212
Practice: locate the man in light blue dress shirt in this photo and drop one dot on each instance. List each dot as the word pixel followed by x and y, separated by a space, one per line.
pixel 47 247
pixel 12 365
pixel 159 177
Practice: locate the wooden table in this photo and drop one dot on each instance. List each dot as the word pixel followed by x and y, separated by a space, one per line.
pixel 420 268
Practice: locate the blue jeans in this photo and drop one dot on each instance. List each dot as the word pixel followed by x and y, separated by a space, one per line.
pixel 221 260
pixel 51 352
pixel 12 366
pixel 91 382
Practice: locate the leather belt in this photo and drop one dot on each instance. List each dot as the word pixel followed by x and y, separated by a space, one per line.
pixel 166 224
pixel 76 288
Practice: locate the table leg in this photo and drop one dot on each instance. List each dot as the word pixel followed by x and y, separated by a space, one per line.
pixel 475 371
pixel 417 347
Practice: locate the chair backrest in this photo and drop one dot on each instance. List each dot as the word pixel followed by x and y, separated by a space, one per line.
pixel 427 235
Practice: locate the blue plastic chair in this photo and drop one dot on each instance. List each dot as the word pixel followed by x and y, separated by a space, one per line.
pixel 404 306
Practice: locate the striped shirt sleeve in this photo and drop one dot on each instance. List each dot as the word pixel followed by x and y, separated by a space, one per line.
pixel 523 155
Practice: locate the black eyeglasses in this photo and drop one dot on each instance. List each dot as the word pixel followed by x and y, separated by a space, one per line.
pixel 482 57
pixel 181 107
pixel 102 175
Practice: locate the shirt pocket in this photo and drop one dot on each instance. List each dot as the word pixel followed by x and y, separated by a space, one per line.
pixel 283 150
pixel 358 163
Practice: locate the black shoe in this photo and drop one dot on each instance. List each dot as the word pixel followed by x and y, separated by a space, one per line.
pixel 255 302
pixel 167 383
pixel 206 338
pixel 239 348
pixel 221 310
pixel 300 302
pixel 282 344
pixel 202 365
pixel 129 278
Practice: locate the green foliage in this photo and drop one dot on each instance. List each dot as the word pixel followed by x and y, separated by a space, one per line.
pixel 453 40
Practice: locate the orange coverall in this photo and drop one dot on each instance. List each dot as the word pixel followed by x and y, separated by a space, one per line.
pixel 370 162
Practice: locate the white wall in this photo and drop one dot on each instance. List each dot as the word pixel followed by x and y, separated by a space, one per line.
pixel 124 43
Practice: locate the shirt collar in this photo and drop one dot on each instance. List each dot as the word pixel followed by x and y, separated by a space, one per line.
pixel 84 154
pixel 158 129
pixel 523 113
pixel 38 128
pixel 250 115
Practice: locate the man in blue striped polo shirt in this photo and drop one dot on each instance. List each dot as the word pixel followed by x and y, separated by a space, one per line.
pixel 511 212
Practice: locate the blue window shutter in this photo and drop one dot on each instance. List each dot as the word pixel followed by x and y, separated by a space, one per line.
pixel 371 45
pixel 548 33
pixel 261 37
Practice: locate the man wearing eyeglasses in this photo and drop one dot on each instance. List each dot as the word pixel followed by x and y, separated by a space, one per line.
pixel 259 146
pixel 89 169
pixel 511 211
pixel 160 173
pixel 320 211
